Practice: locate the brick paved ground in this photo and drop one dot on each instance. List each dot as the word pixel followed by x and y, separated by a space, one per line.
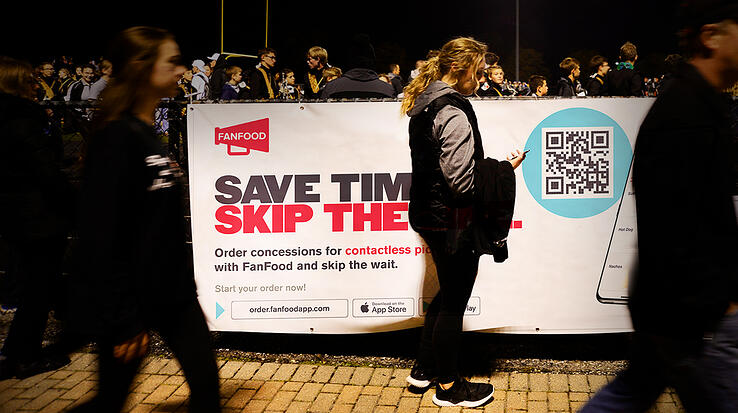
pixel 275 387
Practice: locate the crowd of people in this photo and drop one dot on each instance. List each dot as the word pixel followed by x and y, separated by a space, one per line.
pixel 135 270
pixel 215 78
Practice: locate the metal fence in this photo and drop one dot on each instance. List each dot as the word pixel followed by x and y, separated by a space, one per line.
pixel 73 121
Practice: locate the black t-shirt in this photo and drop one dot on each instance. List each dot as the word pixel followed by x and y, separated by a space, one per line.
pixel 136 262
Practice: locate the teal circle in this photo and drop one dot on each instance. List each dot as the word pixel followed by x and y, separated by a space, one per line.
pixel 572 118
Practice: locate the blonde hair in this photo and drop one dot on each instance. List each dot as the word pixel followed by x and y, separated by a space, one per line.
pixel 332 71
pixel 317 52
pixel 463 52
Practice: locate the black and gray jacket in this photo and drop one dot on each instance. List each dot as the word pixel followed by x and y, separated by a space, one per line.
pixel 445 144
pixel 454 187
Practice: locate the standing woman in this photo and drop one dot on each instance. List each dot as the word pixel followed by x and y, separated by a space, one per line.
pixel 137 273
pixel 445 143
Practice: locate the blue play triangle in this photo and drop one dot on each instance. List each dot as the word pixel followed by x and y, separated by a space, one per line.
pixel 218 310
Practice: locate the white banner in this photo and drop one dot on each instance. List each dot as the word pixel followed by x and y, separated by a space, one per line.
pixel 299 217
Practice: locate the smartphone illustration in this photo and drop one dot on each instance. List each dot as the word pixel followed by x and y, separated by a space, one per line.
pixel 622 251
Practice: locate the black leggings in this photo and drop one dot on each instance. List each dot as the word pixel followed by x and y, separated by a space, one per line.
pixel 441 337
pixel 186 333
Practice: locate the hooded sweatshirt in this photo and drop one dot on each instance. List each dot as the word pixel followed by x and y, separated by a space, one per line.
pixel 453 130
pixel 358 83
pixel 444 144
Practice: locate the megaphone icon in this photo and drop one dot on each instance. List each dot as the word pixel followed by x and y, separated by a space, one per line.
pixel 250 135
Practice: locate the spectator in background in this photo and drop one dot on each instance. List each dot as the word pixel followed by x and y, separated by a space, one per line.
pixel 484 84
pixel 597 82
pixel 208 71
pixel 36 208
pixel 672 62
pixel 491 59
pixel 538 86
pixel 332 73
pixel 67 63
pixel 137 270
pixel 624 80
pixel 361 81
pixel 684 295
pixel 414 73
pixel 262 84
pixel 317 62
pixel 62 84
pixel 230 89
pixel 184 85
pixel 569 81
pixel 395 78
pixel 213 60
pixel 47 82
pixel 384 78
pixel 106 68
pixel 219 77
pixel 81 90
pixel 497 82
pixel 287 87
pixel 650 86
pixel 200 81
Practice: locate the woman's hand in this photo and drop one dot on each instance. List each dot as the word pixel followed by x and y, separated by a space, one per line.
pixel 132 348
pixel 516 158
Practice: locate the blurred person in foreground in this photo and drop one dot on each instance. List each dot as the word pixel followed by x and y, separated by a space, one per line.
pixel 137 272
pixel 446 150
pixel 36 204
pixel 684 295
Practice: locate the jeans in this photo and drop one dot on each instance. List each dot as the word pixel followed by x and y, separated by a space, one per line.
pixel 705 377
pixel 444 319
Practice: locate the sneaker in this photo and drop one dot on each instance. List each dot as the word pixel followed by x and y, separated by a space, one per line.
pixel 420 376
pixel 464 393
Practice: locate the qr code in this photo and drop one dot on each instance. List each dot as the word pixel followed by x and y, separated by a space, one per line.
pixel 577 163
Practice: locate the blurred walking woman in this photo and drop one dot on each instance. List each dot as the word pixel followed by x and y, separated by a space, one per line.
pixel 445 143
pixel 36 205
pixel 137 273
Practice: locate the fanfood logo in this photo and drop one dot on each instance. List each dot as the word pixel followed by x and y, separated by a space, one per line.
pixel 247 136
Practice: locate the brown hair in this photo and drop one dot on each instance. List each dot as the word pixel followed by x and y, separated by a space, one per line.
pixel 265 51
pixel 464 52
pixel 232 70
pixel 628 52
pixel 568 64
pixel 16 77
pixel 332 71
pixel 596 62
pixel 133 53
pixel 535 82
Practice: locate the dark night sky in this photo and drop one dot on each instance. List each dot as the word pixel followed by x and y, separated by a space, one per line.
pixel 401 31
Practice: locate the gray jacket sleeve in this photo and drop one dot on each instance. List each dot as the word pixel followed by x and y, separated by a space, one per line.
pixel 453 130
